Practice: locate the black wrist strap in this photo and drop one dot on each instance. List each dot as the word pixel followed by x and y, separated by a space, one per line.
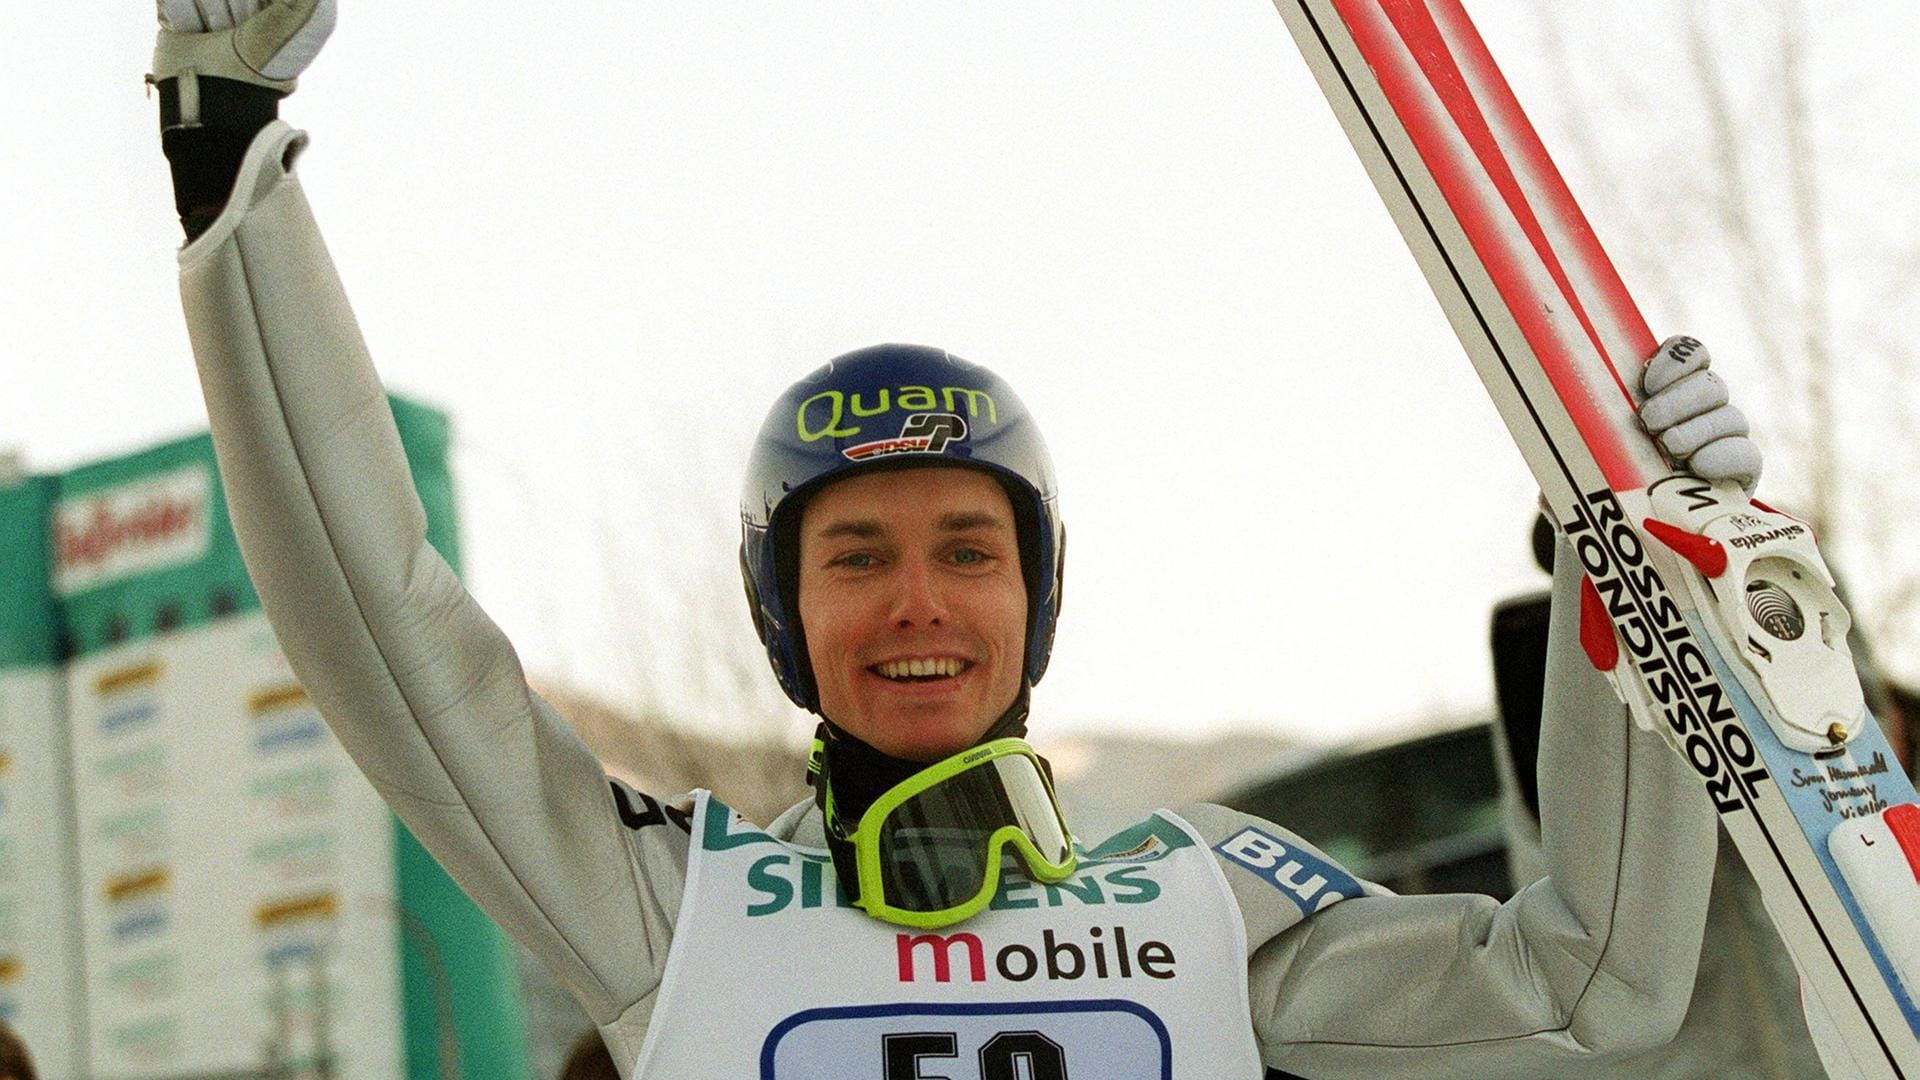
pixel 214 102
pixel 205 154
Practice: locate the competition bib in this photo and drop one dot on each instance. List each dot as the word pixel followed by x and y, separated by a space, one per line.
pixel 1132 969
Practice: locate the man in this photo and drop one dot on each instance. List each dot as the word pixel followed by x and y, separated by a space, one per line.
pixel 15 1062
pixel 903 556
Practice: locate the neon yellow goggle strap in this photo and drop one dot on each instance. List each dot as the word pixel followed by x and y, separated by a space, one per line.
pixel 1034 800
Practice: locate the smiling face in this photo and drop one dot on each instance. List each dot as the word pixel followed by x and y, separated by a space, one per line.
pixel 914 608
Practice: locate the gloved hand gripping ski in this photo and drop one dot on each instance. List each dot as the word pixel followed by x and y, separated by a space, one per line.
pixel 1761 579
pixel 1688 412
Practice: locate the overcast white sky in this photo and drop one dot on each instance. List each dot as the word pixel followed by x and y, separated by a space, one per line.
pixel 604 240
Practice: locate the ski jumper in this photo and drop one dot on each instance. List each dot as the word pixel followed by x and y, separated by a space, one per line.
pixel 1593 963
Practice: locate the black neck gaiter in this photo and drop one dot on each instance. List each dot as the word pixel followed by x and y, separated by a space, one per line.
pixel 858 775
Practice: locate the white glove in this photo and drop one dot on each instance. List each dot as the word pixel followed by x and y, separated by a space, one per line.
pixel 1687 413
pixel 263 42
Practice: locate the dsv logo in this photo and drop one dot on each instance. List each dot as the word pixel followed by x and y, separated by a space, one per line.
pixel 923 433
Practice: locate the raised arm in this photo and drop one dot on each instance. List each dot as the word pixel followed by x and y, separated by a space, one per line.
pixel 1579 971
pixel 420 687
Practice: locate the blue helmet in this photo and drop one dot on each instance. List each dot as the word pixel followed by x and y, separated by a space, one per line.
pixel 891 406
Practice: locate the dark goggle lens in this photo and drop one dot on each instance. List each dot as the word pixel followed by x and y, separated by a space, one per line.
pixel 933 850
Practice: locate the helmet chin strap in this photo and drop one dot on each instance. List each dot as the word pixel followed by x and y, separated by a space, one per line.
pixel 857 774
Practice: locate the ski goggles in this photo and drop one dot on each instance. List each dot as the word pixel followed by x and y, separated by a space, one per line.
pixel 929 851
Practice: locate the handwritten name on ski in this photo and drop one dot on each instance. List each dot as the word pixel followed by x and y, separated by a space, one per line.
pixel 1693 703
pixel 1831 796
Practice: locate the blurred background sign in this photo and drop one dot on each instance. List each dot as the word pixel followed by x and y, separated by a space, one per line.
pixel 222 893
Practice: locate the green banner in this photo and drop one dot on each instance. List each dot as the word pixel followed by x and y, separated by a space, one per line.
pixel 29 619
pixel 142 545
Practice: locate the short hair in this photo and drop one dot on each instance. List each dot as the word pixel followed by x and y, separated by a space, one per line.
pixel 589 1060
pixel 15 1063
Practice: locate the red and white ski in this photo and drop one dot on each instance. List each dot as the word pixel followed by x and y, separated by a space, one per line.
pixel 1713 616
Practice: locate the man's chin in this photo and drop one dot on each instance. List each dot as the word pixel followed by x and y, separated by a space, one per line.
pixel 926 752
pixel 928 743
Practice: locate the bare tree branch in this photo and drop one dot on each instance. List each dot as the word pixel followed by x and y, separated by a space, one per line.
pixel 1832 336
pixel 1816 330
pixel 1733 191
